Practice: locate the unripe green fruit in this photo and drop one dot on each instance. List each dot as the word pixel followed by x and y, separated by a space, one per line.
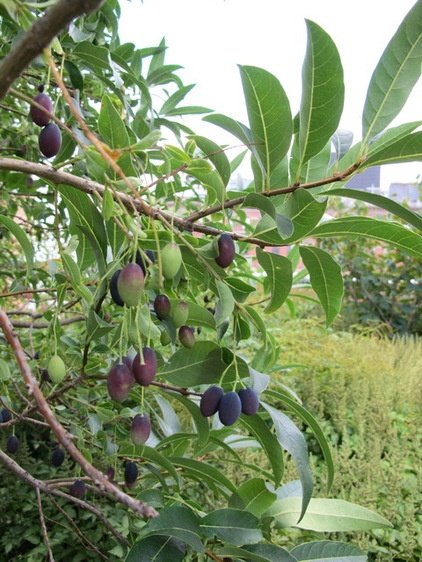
pixel 180 314
pixel 171 259
pixel 165 338
pixel 56 369
pixel 130 284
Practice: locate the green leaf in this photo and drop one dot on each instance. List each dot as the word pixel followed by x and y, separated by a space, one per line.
pixel 192 367
pixel 262 552
pixel 201 423
pixel 395 75
pixel 269 115
pixel 407 149
pixel 255 318
pixel 326 515
pixel 285 397
pixel 279 277
pixel 94 57
pixel 176 522
pixel 172 101
pixel 392 233
pixel 328 550
pixel 216 155
pixel 75 277
pixel 23 240
pixel 326 279
pixel 231 126
pixel 292 439
pixel 151 455
pixel 111 126
pixel 253 496
pixel 232 526
pixel 203 472
pixel 269 443
pixel 382 202
pixel 156 548
pixel 323 93
pixel 208 176
pixel 283 224
pixel 225 303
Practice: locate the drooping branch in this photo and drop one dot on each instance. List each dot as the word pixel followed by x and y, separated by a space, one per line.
pixel 61 434
pixel 39 36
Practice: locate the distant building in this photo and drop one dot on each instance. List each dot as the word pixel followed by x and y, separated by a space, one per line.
pixel 409 193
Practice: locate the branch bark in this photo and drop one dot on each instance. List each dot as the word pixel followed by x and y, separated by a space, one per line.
pixel 39 36
pixel 61 434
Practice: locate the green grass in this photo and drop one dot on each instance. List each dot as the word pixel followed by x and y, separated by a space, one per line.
pixel 367 394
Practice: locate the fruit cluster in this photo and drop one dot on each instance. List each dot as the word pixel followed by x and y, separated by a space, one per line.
pixel 50 137
pixel 229 405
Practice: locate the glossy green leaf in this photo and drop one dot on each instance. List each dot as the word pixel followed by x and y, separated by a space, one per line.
pixel 283 224
pixel 269 443
pixel 302 208
pixel 397 71
pixel 323 94
pixel 203 472
pixel 201 423
pixel 74 273
pixel 279 277
pixel 23 240
pixel 256 319
pixel 390 136
pixel 111 126
pixel 292 439
pixel 231 126
pixel 192 367
pixel 382 202
pixel 285 397
pixel 269 115
pixel 232 526
pixel 209 177
pixel 328 550
pixel 92 56
pixel 406 149
pixel 326 515
pixel 157 548
pixel 225 303
pixel 173 100
pixel 392 233
pixel 216 155
pixel 326 279
pixel 177 522
pixel 253 496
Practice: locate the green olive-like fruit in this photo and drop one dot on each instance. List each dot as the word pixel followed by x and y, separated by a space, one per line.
pixel 56 369
pixel 171 259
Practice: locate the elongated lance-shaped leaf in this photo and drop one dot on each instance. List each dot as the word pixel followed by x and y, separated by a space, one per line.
pixel 269 113
pixel 326 279
pixel 395 75
pixel 395 234
pixel 329 550
pixel 406 149
pixel 323 93
pixel 159 548
pixel 23 240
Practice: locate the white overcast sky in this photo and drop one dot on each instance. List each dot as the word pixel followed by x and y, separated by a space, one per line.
pixel 209 38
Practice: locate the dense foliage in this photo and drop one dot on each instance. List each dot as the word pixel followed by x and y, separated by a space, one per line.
pixel 109 201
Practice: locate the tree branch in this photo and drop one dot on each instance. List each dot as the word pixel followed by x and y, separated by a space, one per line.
pixel 61 434
pixel 39 36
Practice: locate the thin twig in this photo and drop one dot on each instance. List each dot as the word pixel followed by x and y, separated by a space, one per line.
pixel 43 526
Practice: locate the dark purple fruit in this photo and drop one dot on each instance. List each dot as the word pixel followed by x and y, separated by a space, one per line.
pixel 145 259
pixel 180 314
pixel 12 444
pixel 50 140
pixel 229 408
pixel 57 457
pixel 114 292
pixel 109 473
pixel 144 371
pixel 40 117
pixel 119 382
pixel 186 336
pixel 78 489
pixel 171 260
pixel 141 429
pixel 131 472
pixel 127 361
pixel 210 400
pixel 6 415
pixel 162 307
pixel 130 284
pixel 226 251
pixel 250 401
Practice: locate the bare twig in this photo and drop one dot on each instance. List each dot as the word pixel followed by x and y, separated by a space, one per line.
pixel 44 527
pixel 61 434
pixel 39 36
